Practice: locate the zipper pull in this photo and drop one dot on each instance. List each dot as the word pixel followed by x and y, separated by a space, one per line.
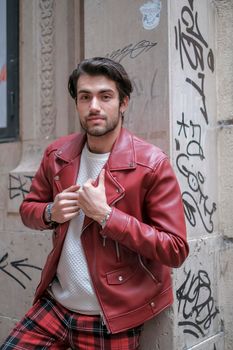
pixel 103 322
pixel 104 241
pixel 117 251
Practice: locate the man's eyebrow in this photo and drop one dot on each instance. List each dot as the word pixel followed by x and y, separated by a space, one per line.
pixel 81 91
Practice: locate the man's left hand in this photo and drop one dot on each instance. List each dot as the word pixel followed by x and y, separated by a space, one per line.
pixel 92 199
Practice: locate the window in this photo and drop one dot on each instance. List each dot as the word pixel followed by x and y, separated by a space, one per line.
pixel 9 70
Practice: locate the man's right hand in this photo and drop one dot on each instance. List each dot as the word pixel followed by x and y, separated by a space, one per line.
pixel 65 205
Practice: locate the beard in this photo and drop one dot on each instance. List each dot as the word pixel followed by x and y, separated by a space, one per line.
pixel 100 129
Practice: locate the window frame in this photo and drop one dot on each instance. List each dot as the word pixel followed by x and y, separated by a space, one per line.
pixel 11 131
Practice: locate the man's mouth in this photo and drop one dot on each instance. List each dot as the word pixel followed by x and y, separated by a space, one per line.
pixel 95 117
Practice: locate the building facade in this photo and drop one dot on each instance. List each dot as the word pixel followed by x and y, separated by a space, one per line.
pixel 179 55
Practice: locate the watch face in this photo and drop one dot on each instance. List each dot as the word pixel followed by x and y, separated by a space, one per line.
pixel 48 213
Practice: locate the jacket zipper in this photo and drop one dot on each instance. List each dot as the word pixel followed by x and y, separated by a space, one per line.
pixel 84 228
pixel 117 250
pixel 146 269
pixel 104 241
pixel 105 237
pixel 103 321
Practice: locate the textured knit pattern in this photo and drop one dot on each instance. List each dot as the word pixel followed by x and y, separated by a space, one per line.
pixel 73 287
pixel 48 325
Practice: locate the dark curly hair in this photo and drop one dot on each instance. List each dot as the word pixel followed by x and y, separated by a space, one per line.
pixel 101 66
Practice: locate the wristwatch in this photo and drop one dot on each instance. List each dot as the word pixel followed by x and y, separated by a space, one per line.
pixel 48 213
pixel 105 219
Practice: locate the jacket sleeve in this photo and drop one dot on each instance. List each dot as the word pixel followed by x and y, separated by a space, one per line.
pixel 162 235
pixel 33 206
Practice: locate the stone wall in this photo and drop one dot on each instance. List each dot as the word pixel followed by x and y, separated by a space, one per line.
pixel 179 56
pixel 47 55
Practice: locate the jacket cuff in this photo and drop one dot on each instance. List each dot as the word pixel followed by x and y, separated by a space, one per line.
pixel 116 225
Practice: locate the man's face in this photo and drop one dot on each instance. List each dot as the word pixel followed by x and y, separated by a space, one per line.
pixel 98 104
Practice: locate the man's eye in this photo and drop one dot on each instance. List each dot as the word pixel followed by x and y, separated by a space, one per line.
pixel 84 97
pixel 106 97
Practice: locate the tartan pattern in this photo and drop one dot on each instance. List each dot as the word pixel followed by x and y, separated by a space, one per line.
pixel 48 325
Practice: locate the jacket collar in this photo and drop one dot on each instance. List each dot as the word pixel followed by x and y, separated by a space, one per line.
pixel 122 155
pixel 71 149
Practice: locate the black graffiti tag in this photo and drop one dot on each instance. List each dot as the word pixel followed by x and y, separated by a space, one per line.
pixel 195 201
pixel 19 185
pixel 18 265
pixel 196 304
pixel 132 50
pixel 201 91
pixel 190 42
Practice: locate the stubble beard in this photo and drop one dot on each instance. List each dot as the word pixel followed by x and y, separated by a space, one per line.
pixel 99 130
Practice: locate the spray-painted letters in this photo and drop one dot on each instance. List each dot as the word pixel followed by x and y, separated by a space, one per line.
pixel 196 59
pixel 196 303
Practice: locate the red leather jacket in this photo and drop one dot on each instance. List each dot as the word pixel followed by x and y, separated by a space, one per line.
pixel 130 259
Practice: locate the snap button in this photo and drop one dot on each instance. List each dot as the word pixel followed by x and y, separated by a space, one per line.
pixel 120 278
pixel 59 152
pixel 117 190
pixel 56 177
pixel 152 304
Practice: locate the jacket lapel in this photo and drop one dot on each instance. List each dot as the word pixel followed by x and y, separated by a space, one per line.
pixel 68 161
pixel 123 153
pixel 122 157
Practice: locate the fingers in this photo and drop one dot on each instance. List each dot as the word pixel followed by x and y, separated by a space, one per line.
pixel 90 182
pixel 70 209
pixel 65 205
pixel 71 196
pixel 66 216
pixel 102 178
pixel 73 188
pixel 69 193
pixel 63 211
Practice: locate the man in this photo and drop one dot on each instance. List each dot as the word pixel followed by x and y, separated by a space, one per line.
pixel 114 204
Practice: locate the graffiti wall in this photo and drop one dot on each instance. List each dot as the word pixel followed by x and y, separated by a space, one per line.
pixel 194 153
pixel 194 113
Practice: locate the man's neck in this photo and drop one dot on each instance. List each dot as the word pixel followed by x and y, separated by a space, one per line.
pixel 102 144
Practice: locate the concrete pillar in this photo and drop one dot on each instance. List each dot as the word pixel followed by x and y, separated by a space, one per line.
pixel 225 142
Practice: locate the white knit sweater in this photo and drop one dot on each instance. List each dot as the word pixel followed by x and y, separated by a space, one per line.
pixel 73 287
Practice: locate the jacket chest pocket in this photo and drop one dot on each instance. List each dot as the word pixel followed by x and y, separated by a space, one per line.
pixel 120 276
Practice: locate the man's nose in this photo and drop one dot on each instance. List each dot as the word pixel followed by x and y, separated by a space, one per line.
pixel 95 105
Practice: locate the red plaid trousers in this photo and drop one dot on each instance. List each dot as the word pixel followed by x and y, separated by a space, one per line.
pixel 48 325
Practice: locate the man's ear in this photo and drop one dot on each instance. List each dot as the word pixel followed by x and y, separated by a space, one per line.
pixel 124 104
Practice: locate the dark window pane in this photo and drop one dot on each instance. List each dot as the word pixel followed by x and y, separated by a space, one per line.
pixel 9 70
